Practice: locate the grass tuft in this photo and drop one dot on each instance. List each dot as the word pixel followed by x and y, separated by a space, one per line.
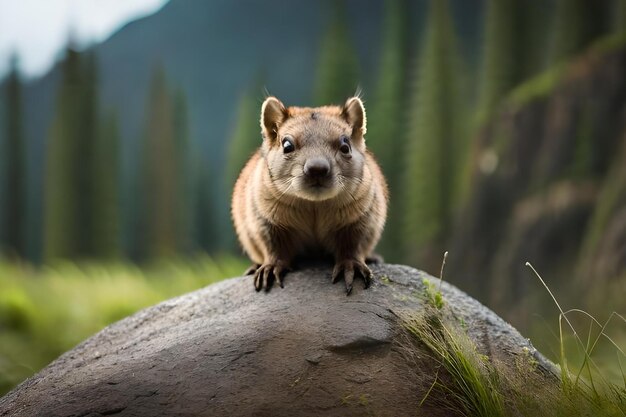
pixel 587 387
pixel 469 383
pixel 471 388
pixel 432 295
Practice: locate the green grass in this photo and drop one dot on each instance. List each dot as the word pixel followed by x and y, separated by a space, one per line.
pixel 432 295
pixel 46 311
pixel 470 384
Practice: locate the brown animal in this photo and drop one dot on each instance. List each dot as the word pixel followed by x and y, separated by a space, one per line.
pixel 311 188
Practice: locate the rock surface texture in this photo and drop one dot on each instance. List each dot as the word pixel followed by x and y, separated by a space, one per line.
pixel 226 350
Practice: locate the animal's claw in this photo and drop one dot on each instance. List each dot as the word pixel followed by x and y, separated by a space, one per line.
pixel 347 268
pixel 266 274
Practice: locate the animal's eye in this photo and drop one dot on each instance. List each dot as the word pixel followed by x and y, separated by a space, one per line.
pixel 344 147
pixel 288 145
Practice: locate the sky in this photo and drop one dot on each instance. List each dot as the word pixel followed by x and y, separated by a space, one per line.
pixel 38 30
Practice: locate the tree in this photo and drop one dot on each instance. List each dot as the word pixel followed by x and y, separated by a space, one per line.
pixel 106 174
pixel 159 174
pixel 205 228
pixel 337 71
pixel 88 131
pixel 246 137
pixel 435 142
pixel 15 180
pixel 511 51
pixel 576 24
pixel 185 174
pixel 619 19
pixel 386 115
pixel 69 193
pixel 71 184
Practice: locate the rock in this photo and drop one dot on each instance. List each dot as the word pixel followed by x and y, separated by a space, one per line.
pixel 226 350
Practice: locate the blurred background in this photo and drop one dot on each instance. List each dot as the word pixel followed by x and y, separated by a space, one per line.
pixel 500 125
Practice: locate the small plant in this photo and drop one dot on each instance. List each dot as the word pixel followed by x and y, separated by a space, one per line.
pixel 472 389
pixel 433 295
pixel 588 387
pixel 469 383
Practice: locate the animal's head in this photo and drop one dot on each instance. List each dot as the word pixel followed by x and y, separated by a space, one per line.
pixel 314 153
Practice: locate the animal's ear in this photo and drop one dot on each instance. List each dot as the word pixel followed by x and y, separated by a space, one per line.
pixel 273 113
pixel 354 113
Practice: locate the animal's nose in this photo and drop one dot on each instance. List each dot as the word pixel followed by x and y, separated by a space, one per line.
pixel 317 168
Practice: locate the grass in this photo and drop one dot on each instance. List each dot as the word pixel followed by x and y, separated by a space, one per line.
pixel 587 386
pixel 46 311
pixel 468 383
pixel 471 386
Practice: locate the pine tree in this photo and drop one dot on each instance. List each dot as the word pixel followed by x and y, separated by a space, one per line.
pixel 62 191
pixel 185 173
pixel 386 115
pixel 502 56
pixel 159 171
pixel 337 72
pixel 69 167
pixel 435 138
pixel 106 208
pixel 88 131
pixel 246 137
pixel 14 159
pixel 576 24
pixel 205 229
pixel 513 49
pixel 619 18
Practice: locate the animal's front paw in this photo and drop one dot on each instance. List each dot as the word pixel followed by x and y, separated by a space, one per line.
pixel 265 275
pixel 347 268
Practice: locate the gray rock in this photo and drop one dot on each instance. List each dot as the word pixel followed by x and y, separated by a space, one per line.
pixel 226 350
